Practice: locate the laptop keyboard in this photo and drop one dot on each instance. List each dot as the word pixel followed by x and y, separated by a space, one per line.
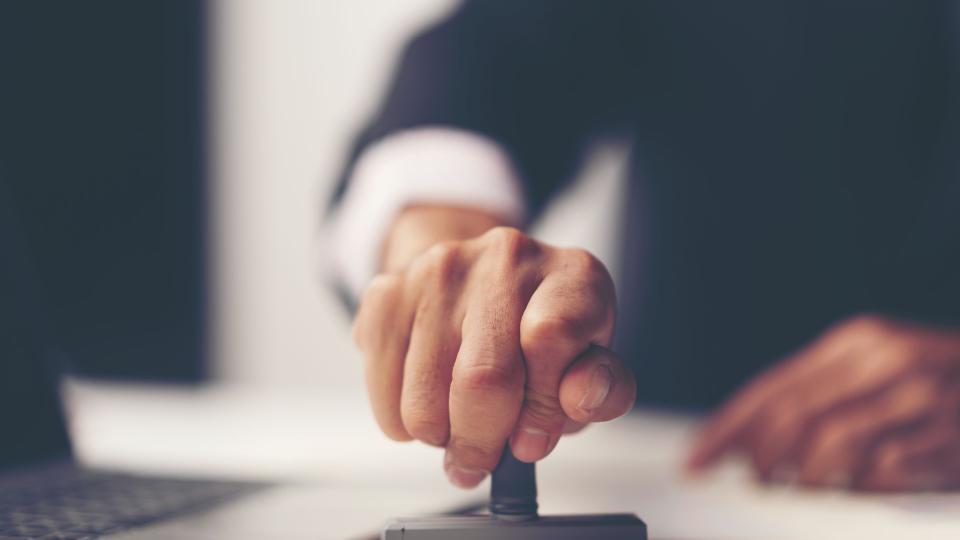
pixel 65 503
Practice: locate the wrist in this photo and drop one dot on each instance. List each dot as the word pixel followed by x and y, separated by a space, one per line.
pixel 418 227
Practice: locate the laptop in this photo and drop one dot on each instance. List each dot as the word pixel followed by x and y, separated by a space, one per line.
pixel 45 494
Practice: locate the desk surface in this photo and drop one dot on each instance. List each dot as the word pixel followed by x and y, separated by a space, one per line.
pixel 630 465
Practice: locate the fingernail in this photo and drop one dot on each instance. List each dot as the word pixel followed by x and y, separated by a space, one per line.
pixel 600 383
pixel 530 443
pixel 465 478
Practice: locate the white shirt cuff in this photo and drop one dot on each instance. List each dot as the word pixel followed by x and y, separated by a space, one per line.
pixel 428 165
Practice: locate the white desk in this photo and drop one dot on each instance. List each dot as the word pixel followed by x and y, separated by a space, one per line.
pixel 627 465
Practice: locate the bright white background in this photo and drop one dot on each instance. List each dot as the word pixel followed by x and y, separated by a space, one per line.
pixel 293 80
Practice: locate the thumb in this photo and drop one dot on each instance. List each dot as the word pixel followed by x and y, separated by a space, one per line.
pixel 598 386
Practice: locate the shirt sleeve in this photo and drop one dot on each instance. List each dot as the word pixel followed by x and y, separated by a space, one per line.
pixel 436 165
pixel 525 85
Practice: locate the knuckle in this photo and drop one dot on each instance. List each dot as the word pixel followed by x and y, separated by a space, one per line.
pixel 832 436
pixel 589 271
pixel 889 456
pixel 590 285
pixel 504 235
pixel 423 411
pixel 381 288
pixel 785 416
pixel 868 326
pixel 542 331
pixel 894 359
pixel 483 378
pixel 509 243
pixel 439 265
pixel 542 409
pixel 584 265
pixel 899 351
pixel 474 454
pixel 918 394
pixel 443 254
pixel 427 429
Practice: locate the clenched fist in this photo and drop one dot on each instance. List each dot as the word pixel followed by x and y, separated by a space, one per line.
pixel 474 342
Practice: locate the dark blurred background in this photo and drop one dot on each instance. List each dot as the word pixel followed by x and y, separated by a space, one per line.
pixel 102 131
pixel 169 161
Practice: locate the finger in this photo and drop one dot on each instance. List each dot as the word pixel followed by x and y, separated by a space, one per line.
pixel 838 450
pixel 843 354
pixel 572 426
pixel 488 376
pixel 598 387
pixel 572 308
pixel 927 459
pixel 771 443
pixel 924 458
pixel 381 331
pixel 784 426
pixel 724 430
pixel 434 341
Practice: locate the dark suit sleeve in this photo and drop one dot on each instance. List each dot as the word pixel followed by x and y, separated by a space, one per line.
pixel 537 76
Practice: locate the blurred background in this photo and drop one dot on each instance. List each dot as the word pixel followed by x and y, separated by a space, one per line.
pixel 171 162
pixel 292 83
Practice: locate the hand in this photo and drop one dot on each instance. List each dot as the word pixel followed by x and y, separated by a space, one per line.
pixel 495 337
pixel 874 404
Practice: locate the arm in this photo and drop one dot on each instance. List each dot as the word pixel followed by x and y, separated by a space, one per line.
pixel 474 334
pixel 535 78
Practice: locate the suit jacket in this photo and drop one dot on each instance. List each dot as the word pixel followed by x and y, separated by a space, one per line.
pixel 794 162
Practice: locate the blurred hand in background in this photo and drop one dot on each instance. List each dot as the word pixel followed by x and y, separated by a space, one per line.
pixel 873 404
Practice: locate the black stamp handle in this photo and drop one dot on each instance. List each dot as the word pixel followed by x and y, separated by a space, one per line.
pixel 513 489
